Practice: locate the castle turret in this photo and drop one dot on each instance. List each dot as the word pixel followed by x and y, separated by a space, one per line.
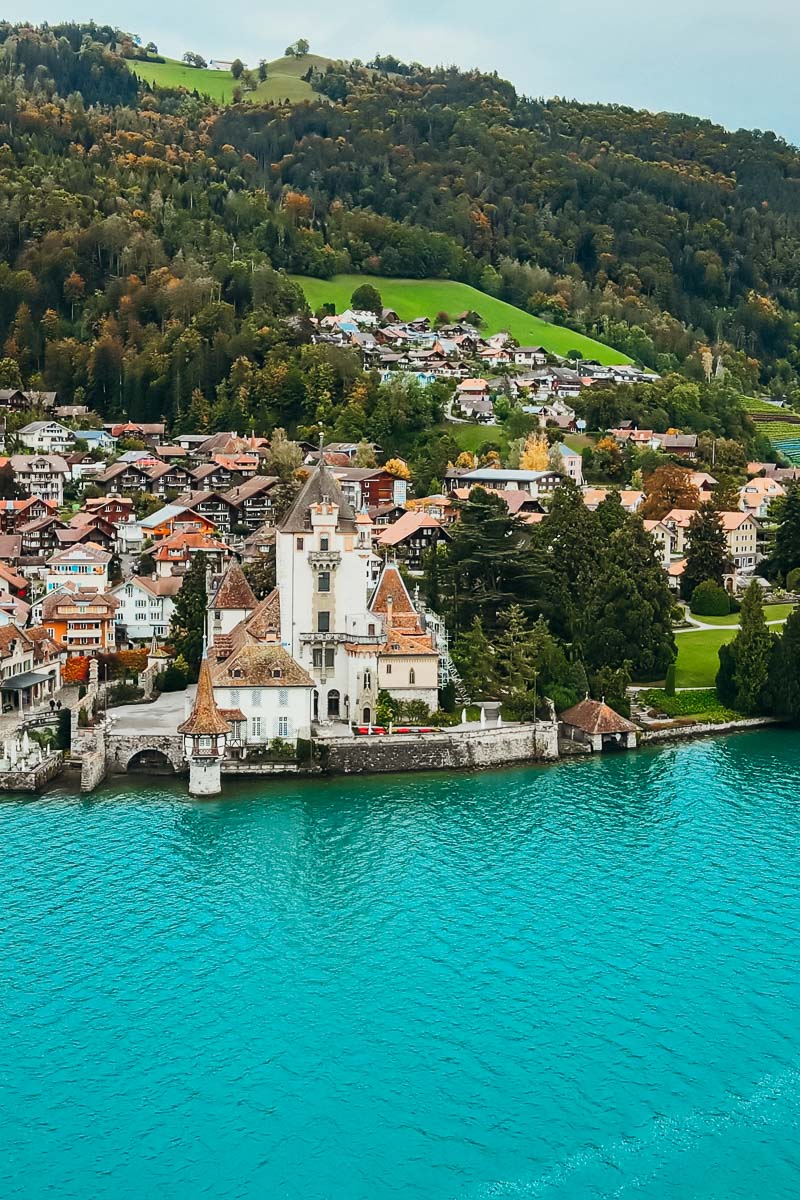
pixel 205 733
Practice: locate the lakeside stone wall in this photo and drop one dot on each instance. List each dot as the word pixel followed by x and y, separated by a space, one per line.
pixel 439 751
pixel 676 733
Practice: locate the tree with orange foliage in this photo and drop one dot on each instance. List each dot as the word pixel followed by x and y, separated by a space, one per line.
pixel 298 207
pixel 396 467
pixel 666 488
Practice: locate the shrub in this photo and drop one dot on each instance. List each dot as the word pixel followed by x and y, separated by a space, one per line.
pixel 172 680
pixel 793 580
pixel 710 599
pixel 64 729
pixel 669 686
pixel 124 693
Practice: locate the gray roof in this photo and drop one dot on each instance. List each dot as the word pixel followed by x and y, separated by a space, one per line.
pixel 320 484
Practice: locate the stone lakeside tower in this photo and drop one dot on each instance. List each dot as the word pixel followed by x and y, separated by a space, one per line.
pixel 205 733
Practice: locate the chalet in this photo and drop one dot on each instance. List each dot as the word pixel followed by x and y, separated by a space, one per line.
pixel 411 537
pixel 117 510
pixel 10 547
pixel 216 508
pixel 174 518
pixel 530 356
pixel 42 475
pixel 129 478
pixel 253 500
pixel 151 432
pixel 14 513
pixel 174 554
pixel 80 622
pixel 349 449
pixel 518 503
pixel 17 400
pixel 168 477
pixel 39 537
pixel 213 476
pixel 259 544
pixel 88 527
pixel 370 487
pixel 97 439
pixel 47 437
pixel 83 466
pixel 682 445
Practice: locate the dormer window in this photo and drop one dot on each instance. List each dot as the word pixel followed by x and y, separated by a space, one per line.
pixel 236 673
pixel 277 673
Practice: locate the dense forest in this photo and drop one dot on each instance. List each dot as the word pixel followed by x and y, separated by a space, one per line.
pixel 144 239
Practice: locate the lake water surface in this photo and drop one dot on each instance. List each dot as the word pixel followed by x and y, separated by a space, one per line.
pixel 570 982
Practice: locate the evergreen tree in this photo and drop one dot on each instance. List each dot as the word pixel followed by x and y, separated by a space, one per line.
pixel 706 550
pixel 474 658
pixel 572 539
pixel 786 551
pixel 726 675
pixel 784 675
pixel 753 649
pixel 187 627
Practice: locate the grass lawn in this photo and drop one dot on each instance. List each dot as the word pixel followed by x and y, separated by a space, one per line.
pixel 578 441
pixel 472 437
pixel 428 297
pixel 704 705
pixel 283 80
pixel 698 656
pixel 772 612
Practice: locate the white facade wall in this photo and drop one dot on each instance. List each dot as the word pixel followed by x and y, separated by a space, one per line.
pixel 141 612
pixel 316 623
pixel 270 712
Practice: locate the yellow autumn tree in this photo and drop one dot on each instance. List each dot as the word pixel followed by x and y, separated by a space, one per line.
pixel 536 455
pixel 466 460
pixel 396 467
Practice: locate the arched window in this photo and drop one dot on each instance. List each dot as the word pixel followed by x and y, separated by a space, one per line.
pixel 367 680
pixel 333 704
pixel 412 678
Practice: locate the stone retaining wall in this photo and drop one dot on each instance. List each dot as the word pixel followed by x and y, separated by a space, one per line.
pixel 36 778
pixel 439 751
pixel 120 749
pixel 678 732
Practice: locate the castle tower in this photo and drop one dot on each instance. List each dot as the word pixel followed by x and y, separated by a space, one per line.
pixel 205 733
pixel 232 602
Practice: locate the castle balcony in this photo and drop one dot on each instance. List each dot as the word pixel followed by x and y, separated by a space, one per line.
pixel 324 560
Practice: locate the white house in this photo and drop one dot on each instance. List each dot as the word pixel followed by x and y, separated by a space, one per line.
pixel 47 437
pixel 97 439
pixel 84 565
pixel 42 475
pixel 568 461
pixel 146 605
pixel 408 661
pixel 324 565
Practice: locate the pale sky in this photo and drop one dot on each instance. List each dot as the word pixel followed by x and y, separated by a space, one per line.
pixel 731 60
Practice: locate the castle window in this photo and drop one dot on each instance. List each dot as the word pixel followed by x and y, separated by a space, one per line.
pixel 330 656
pixel 324 581
pixel 388 668
pixel 412 678
pixel 317 656
pixel 367 679
pixel 324 622
pixel 300 543
pixel 324 543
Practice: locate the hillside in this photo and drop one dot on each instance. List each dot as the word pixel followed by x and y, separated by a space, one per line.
pixel 283 82
pixel 429 297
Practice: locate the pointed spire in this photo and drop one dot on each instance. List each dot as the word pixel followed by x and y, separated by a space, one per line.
pixel 205 719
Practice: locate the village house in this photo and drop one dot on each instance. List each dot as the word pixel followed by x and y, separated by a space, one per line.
pixel 21 687
pixel 173 555
pixel 42 475
pixel 145 606
pixel 663 538
pixel 80 622
pixel 39 537
pixel 174 518
pixel 411 537
pixel 15 513
pixel 568 461
pixel 681 445
pixel 151 432
pixel 741 534
pixel 78 568
pixel 530 356
pixel 537 483
pixel 97 439
pixel 47 437
pixel 213 477
pixel 125 477
pixel 18 400
pixel 253 500
pixel 115 509
pixel 370 487
pixel 168 479
pixel 630 498
pixel 758 495
pixel 218 510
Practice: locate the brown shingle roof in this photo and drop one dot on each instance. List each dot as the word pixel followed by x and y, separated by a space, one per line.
pixel 320 484
pixel 205 718
pixel 255 664
pixel 266 619
pixel 593 716
pixel 234 591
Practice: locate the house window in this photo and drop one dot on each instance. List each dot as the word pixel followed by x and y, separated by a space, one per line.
pixel 283 697
pixel 205 743
pixel 324 581
pixel 283 727
pixel 324 622
pixel 412 678
pixel 255 727
pixel 256 698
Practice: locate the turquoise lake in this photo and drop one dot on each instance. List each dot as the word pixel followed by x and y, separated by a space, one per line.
pixel 569 982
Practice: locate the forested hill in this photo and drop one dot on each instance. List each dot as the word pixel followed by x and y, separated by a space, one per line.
pixel 146 237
